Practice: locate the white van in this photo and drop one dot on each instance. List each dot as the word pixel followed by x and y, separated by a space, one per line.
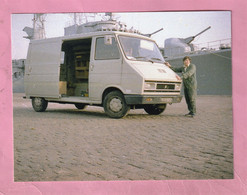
pixel 116 70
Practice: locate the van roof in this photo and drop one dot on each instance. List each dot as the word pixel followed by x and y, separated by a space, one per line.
pixel 90 34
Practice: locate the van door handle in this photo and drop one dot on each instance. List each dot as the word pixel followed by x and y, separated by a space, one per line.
pixel 91 66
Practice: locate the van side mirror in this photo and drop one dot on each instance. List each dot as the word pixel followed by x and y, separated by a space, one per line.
pixel 108 40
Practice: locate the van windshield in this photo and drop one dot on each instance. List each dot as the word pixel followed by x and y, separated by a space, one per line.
pixel 140 49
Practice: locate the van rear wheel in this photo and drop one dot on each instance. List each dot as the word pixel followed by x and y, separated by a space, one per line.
pixel 80 106
pixel 115 105
pixel 39 104
pixel 155 109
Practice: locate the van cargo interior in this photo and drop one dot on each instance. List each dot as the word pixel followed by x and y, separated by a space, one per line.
pixel 74 70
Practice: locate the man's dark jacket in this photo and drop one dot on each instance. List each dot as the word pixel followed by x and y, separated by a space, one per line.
pixel 188 75
pixel 190 85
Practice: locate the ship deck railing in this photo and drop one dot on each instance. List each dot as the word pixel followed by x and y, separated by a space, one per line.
pixel 199 48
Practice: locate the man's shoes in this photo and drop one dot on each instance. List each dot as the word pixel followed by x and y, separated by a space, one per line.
pixel 190 114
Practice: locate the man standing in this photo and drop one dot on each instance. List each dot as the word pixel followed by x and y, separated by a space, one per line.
pixel 190 84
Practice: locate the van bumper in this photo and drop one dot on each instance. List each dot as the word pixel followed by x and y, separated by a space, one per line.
pixel 151 99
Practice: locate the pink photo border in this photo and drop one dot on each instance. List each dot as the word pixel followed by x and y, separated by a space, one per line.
pixel 238 185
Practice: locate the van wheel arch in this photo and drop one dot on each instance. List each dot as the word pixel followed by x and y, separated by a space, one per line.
pixel 108 90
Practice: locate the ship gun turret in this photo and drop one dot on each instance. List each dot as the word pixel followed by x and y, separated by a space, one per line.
pixel 149 35
pixel 179 46
pixel 188 40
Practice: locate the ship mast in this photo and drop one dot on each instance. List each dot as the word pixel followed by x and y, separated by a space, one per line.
pixel 38 30
pixel 38 26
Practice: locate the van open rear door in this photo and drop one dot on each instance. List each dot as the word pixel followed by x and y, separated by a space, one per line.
pixel 42 69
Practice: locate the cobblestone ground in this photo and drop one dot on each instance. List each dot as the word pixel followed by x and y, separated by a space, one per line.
pixel 66 144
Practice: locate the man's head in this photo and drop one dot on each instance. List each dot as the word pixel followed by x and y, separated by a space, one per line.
pixel 186 61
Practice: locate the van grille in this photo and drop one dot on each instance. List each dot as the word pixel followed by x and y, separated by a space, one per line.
pixel 163 86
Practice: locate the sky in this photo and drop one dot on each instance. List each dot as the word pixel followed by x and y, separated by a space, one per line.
pixel 175 25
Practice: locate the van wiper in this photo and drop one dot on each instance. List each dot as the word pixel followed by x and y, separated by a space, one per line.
pixel 137 57
pixel 156 59
pixel 149 60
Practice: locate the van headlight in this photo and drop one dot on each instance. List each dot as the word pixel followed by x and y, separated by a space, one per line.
pixel 148 86
pixel 177 86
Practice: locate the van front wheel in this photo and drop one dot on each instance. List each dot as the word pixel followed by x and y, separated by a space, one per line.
pixel 115 105
pixel 39 104
pixel 154 109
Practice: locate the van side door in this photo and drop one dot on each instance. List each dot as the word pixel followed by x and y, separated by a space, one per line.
pixel 105 66
pixel 43 67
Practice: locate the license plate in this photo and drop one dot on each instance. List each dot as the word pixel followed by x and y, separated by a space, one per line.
pixel 168 100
